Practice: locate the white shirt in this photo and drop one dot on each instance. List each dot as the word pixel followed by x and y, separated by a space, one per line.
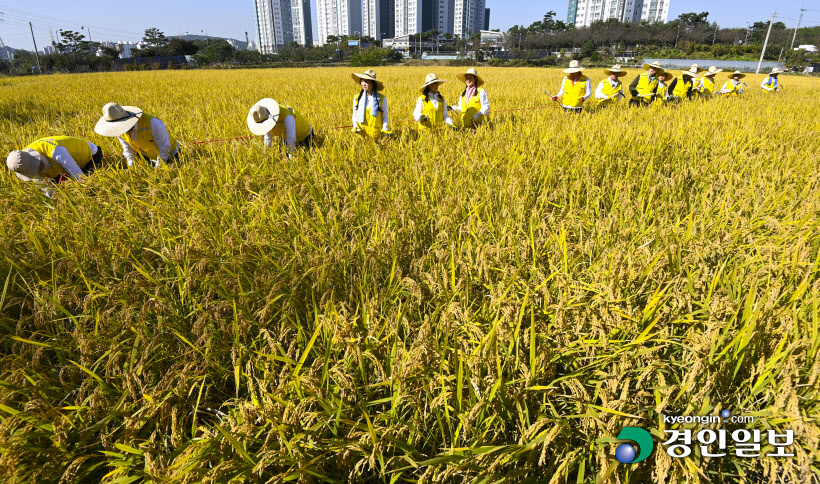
pixel 599 92
pixel 587 94
pixel 434 98
pixel 62 157
pixel 369 102
pixel 160 137
pixel 483 99
pixel 290 133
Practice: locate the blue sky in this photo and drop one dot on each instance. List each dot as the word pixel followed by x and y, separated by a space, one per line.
pixel 119 21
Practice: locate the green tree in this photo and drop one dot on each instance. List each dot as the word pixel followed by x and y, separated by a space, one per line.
pixel 154 37
pixel 73 42
pixel 177 46
pixel 693 19
pixel 109 51
pixel 217 52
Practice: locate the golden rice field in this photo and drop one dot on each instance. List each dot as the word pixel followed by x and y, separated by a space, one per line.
pixel 488 306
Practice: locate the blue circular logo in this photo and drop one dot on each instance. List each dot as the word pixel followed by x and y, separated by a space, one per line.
pixel 725 413
pixel 625 453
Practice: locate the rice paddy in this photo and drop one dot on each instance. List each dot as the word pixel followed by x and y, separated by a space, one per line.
pixel 482 306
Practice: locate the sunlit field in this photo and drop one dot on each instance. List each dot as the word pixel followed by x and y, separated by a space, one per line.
pixel 462 306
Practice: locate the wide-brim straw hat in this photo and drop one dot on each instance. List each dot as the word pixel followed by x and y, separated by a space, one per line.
pixel 117 119
pixel 656 65
pixel 368 75
pixel 616 69
pixel 263 116
pixel 430 80
pixel 689 73
pixel 574 66
pixel 25 163
pixel 737 73
pixel 697 68
pixel 775 71
pixel 712 71
pixel 478 80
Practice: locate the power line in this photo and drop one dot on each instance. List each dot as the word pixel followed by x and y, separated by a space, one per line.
pixel 20 14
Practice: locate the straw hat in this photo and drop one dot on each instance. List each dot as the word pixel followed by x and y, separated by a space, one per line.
pixel 25 164
pixel 574 66
pixel 656 65
pixel 369 75
pixel 117 119
pixel 478 80
pixel 712 71
pixel 737 73
pixel 263 116
pixel 616 69
pixel 696 69
pixel 430 80
pixel 690 73
pixel 775 71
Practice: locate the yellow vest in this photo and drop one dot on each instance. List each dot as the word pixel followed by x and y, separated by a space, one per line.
pixel 682 86
pixel 645 87
pixel 435 116
pixel 303 128
pixel 77 148
pixel 574 92
pixel 770 84
pixel 733 87
pixel 372 126
pixel 608 91
pixel 144 144
pixel 471 108
pixel 660 94
pixel 708 86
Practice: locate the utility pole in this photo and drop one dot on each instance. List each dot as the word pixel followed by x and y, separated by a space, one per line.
pixel 765 43
pixel 36 55
pixel 714 38
pixel 796 28
pixel 8 54
pixel 89 32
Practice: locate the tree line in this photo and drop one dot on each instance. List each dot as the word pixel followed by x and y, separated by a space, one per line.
pixel 689 35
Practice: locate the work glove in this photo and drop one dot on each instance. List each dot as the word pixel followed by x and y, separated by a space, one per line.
pixel 554 98
pixel 423 118
pixel 388 134
pixel 476 117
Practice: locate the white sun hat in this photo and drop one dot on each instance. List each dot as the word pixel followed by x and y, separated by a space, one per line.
pixel 369 75
pixel 430 80
pixel 263 116
pixel 25 163
pixel 574 66
pixel 471 71
pixel 117 119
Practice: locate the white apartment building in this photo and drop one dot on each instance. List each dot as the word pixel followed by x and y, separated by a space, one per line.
pixel 582 13
pixel 379 18
pixel 338 17
pixel 302 25
pixel 274 24
pixel 408 17
pixel 468 17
